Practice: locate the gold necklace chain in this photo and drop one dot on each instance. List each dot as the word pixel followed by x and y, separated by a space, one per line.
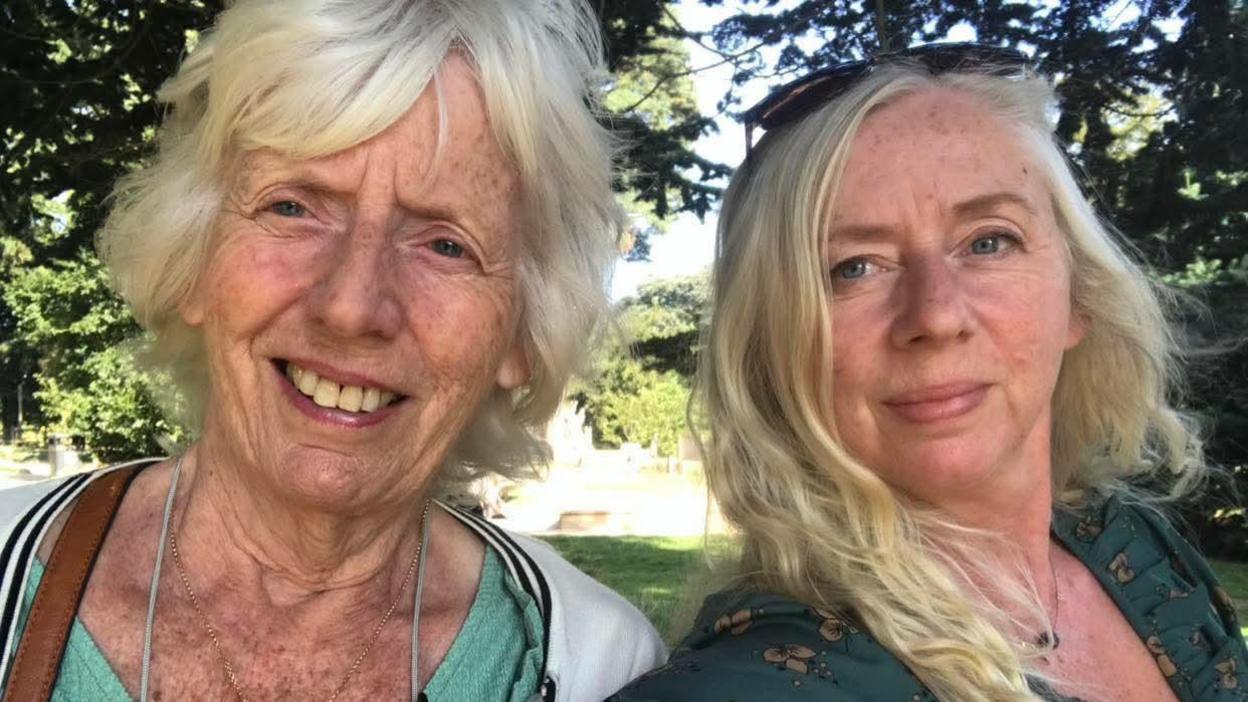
pixel 228 667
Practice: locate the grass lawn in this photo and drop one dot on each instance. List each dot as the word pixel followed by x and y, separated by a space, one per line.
pixel 1234 577
pixel 652 571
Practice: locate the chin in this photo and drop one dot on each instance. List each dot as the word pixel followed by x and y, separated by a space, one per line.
pixel 950 468
pixel 326 480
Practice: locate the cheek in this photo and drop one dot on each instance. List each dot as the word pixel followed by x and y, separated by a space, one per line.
pixel 1031 324
pixel 857 362
pixel 461 331
pixel 247 284
pixel 859 341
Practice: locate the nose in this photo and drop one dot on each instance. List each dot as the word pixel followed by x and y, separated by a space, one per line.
pixel 934 308
pixel 355 295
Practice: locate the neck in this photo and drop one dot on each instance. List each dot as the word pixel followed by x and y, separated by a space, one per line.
pixel 284 552
pixel 1015 506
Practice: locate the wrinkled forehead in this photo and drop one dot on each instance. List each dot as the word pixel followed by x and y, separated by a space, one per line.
pixel 445 139
pixel 940 145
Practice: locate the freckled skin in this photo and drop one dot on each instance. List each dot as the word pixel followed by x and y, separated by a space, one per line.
pixel 933 313
pixel 297 534
pixel 356 281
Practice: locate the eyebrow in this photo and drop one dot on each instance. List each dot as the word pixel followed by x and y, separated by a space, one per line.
pixel 968 209
pixel 266 169
pixel 986 204
pixel 256 175
pixel 860 233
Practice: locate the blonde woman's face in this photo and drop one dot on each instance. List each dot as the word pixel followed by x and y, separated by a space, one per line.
pixel 950 302
pixel 357 308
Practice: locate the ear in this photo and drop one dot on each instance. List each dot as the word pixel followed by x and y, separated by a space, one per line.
pixel 1077 327
pixel 514 370
pixel 191 307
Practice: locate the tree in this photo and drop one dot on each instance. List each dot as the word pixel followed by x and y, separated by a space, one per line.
pixel 89 383
pixel 1181 195
pixel 655 106
pixel 640 385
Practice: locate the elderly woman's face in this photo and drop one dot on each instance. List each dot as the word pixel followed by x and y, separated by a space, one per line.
pixel 358 308
pixel 951 300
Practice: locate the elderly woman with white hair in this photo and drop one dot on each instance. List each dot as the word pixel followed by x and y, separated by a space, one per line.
pixel 938 394
pixel 370 248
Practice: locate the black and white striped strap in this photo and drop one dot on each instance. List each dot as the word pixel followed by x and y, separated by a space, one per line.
pixel 19 547
pixel 523 569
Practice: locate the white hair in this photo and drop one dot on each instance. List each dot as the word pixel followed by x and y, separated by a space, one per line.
pixel 822 527
pixel 309 78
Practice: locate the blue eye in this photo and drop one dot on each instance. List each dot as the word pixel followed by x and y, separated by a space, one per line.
pixel 992 244
pixel 851 269
pixel 447 248
pixel 287 208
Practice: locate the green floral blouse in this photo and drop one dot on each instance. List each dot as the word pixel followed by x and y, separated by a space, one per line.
pixel 752 646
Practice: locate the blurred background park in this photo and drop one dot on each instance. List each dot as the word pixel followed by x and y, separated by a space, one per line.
pixel 1153 108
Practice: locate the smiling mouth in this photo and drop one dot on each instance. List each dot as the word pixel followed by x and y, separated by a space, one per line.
pixel 357 399
pixel 938 403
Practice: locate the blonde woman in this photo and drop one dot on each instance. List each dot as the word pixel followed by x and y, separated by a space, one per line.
pixel 933 378
pixel 370 248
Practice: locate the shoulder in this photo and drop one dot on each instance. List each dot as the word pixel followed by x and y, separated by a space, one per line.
pixel 1127 536
pixel 35 512
pixel 764 646
pixel 28 514
pixel 1164 588
pixel 596 640
pixel 16 501
pixel 577 592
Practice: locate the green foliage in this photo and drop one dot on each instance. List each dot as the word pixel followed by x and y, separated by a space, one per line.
pixel 628 402
pixel 114 411
pixel 654 104
pixel 1218 349
pixel 640 388
pixel 88 383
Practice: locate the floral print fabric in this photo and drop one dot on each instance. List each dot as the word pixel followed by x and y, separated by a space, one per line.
pixel 759 646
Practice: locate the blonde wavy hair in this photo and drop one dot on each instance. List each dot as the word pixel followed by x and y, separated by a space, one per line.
pixel 312 77
pixel 823 528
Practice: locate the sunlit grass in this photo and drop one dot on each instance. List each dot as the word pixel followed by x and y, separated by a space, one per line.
pixel 650 571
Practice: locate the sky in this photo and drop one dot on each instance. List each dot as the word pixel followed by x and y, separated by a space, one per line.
pixel 689 244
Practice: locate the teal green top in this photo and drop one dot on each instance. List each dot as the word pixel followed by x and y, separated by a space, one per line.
pixel 497 655
pixel 759 646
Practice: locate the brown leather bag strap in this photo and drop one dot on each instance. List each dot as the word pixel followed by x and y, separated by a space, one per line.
pixel 64 578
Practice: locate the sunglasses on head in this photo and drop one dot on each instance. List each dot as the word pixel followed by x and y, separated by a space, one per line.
pixel 799 98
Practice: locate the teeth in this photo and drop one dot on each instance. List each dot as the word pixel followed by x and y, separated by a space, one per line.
pixel 351 398
pixel 371 399
pixel 327 393
pixel 307 382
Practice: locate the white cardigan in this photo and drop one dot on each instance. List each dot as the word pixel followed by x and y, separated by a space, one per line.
pixel 595 640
